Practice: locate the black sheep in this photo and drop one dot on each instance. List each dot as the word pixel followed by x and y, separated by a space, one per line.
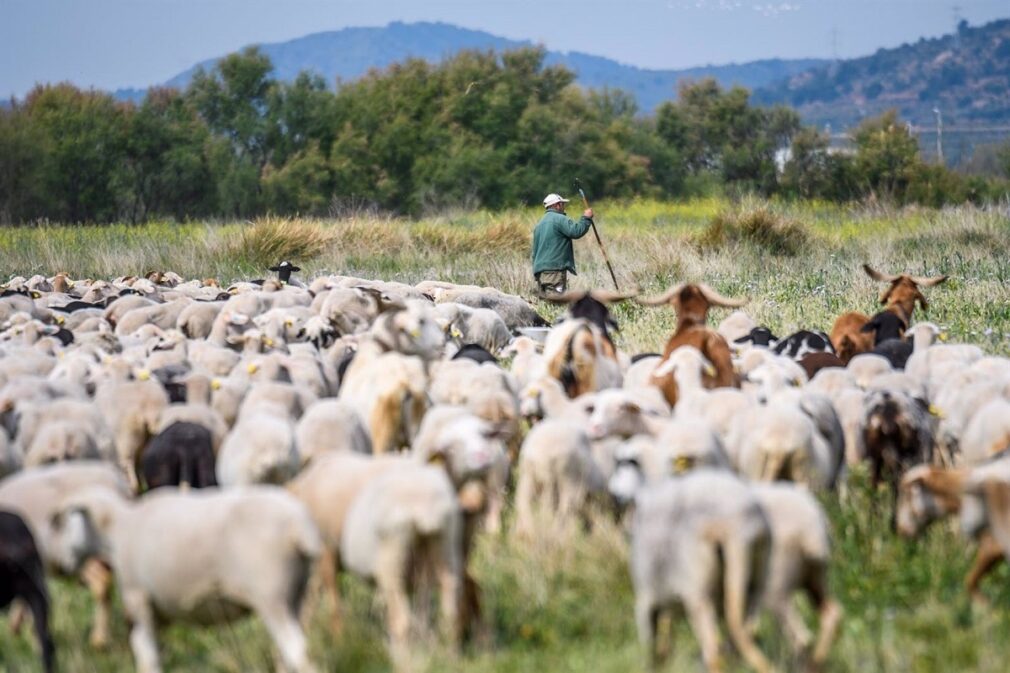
pixel 759 336
pixel 21 576
pixel 182 453
pixel 475 352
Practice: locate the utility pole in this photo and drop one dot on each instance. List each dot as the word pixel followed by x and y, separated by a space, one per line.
pixel 939 135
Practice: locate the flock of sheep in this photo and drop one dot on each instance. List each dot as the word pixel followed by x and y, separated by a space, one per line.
pixel 215 451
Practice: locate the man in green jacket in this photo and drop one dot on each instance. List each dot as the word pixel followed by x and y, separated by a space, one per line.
pixel 553 256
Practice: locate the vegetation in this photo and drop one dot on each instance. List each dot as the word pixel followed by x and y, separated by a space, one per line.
pixel 965 74
pixel 480 130
pixel 566 605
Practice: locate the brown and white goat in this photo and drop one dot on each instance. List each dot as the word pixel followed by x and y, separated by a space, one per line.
pixel 579 352
pixel 691 303
pixel 900 297
pixel 928 493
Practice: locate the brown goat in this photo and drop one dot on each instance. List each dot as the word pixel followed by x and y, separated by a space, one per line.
pixel 691 303
pixel 899 298
pixel 927 493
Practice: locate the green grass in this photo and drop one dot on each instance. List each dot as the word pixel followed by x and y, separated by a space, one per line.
pixel 566 605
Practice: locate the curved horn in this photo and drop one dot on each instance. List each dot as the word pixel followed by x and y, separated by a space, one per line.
pixel 662 299
pixel 876 275
pixel 564 298
pixel 717 299
pixel 928 282
pixel 610 297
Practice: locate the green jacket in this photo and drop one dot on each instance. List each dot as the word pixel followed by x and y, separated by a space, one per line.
pixel 552 241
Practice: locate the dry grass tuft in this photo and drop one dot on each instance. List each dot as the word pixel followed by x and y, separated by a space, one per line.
pixel 757 225
pixel 269 240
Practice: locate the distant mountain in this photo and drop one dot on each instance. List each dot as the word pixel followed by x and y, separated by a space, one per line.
pixel 347 54
pixel 966 76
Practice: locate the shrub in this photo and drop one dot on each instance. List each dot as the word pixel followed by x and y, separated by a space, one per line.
pixel 758 226
pixel 268 240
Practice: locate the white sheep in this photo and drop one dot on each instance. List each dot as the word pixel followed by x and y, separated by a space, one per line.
pixel 695 539
pixel 331 425
pixel 254 550
pixel 36 495
pixel 527 360
pixel 557 475
pixel 260 449
pixel 132 410
pixel 404 518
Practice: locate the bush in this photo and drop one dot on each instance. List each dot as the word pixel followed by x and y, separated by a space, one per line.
pixel 758 226
pixel 270 240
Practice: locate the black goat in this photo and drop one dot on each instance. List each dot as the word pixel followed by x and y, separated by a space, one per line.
pixel 759 336
pixel 592 306
pixel 182 453
pixel 885 326
pixel 22 577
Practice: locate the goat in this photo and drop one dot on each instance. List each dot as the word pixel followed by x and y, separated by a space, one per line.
pixel 899 298
pixel 691 303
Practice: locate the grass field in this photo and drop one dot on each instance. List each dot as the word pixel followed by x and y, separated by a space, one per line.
pixel 566 605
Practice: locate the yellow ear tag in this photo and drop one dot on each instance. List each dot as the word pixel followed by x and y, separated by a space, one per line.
pixel 682 464
pixel 289 322
pixel 455 333
pixel 437 459
pixel 143 375
pixel 415 333
pixel 710 370
pixel 268 342
pixel 215 384
pixel 60 320
pixel 936 411
pixel 252 368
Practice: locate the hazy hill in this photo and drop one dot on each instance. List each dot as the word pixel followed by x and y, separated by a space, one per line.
pixel 349 53
pixel 965 75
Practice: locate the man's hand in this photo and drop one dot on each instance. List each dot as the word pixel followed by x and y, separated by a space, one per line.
pixel 588 213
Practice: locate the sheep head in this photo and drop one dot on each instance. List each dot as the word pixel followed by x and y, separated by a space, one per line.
pixel 691 302
pixel 903 293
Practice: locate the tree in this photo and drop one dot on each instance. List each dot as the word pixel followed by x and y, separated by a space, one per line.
pixel 166 168
pixel 886 156
pixel 23 151
pixel 84 133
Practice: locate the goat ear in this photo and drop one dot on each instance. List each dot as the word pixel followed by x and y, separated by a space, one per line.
pixel 923 304
pixel 871 326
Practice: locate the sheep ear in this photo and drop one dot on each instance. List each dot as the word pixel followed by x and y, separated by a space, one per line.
pixel 437 458
pixel 744 339
pixel 632 407
pixel 498 431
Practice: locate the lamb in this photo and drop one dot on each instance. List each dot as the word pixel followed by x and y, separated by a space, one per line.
pixel 164 316
pixel 180 455
pixel 691 303
pixel 682 529
pixel 35 495
pixel 623 413
pixel 197 319
pixel 867 366
pixel 21 577
pixel 515 311
pixel 260 544
pixel 330 425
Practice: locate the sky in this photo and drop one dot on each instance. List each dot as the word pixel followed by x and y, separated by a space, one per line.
pixel 110 44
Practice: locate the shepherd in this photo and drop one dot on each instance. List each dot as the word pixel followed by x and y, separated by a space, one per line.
pixel 553 254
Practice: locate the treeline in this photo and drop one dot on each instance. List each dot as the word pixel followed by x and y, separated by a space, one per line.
pixel 479 130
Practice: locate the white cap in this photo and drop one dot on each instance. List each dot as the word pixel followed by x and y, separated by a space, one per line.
pixel 552 199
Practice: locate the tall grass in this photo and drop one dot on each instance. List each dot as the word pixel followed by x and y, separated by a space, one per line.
pixel 566 605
